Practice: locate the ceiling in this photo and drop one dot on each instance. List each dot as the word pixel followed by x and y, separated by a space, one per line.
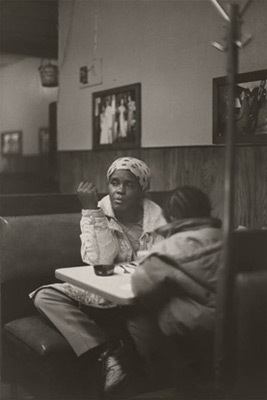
pixel 28 28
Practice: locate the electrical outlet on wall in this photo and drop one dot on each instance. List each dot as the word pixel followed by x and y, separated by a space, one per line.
pixel 91 75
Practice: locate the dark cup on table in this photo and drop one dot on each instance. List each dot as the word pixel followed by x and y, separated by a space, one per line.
pixel 104 269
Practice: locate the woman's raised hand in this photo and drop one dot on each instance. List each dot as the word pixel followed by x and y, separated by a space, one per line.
pixel 87 194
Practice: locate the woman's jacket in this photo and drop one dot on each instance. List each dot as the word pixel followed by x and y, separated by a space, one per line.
pixel 104 242
pixel 177 279
pixel 103 239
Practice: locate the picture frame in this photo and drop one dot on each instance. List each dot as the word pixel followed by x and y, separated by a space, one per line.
pixel 11 143
pixel 44 140
pixel 250 108
pixel 116 115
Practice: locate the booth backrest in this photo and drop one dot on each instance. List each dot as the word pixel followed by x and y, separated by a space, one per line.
pixel 32 246
pixel 53 203
pixel 251 333
pixel 249 250
pixel 245 350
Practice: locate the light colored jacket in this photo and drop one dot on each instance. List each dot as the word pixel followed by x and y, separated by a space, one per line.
pixel 177 279
pixel 104 242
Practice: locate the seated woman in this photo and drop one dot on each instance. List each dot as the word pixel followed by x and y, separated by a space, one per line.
pixel 175 285
pixel 112 230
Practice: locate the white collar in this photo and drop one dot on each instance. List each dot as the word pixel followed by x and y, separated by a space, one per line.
pixel 152 219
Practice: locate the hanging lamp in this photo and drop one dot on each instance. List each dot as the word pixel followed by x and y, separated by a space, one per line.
pixel 49 74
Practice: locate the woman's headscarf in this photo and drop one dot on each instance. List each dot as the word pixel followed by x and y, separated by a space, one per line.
pixel 137 167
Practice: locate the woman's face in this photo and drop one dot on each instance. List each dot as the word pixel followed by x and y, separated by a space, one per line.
pixel 124 191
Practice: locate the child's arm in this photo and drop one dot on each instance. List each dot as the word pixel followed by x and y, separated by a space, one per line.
pixel 158 279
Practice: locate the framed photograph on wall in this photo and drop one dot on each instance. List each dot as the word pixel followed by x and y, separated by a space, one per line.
pixel 250 108
pixel 117 118
pixel 11 143
pixel 44 140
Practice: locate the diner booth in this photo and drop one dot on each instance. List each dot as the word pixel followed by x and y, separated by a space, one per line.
pixel 180 68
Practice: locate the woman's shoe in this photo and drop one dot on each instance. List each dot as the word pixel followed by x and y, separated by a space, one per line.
pixel 119 371
pixel 112 371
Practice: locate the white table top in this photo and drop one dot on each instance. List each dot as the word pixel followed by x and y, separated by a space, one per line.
pixel 116 288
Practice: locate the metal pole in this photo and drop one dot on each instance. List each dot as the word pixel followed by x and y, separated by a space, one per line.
pixel 225 282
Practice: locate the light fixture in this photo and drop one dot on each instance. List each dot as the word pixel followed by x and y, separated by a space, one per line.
pixel 49 74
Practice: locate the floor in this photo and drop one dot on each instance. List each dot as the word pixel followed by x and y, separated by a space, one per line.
pixel 169 394
pixel 6 393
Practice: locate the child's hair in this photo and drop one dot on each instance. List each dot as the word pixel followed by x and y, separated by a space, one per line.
pixel 187 202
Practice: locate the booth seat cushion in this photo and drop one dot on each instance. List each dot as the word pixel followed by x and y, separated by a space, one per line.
pixel 34 335
pixel 41 361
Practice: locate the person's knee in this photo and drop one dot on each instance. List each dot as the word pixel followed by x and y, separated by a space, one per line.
pixel 41 298
pixel 140 325
pixel 134 327
pixel 142 333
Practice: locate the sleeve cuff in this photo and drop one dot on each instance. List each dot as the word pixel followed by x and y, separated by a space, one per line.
pixel 96 213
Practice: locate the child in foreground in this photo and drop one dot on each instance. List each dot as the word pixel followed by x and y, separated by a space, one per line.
pixel 175 285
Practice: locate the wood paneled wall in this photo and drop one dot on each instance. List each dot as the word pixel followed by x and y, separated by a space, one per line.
pixel 202 166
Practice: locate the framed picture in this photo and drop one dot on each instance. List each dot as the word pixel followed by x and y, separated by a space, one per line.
pixel 44 140
pixel 250 108
pixel 117 118
pixel 11 143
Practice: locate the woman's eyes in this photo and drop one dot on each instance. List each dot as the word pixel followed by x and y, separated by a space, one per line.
pixel 116 183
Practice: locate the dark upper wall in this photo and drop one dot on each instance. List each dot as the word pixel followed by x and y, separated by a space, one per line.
pixel 30 27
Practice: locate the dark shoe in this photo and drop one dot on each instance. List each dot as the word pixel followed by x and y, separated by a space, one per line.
pixel 112 373
pixel 119 372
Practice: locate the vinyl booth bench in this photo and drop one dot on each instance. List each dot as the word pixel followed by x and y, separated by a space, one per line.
pixel 36 356
pixel 34 353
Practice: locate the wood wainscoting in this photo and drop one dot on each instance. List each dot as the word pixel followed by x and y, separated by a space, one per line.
pixel 201 166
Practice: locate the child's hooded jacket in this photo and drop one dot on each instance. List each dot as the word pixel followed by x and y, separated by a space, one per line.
pixel 178 277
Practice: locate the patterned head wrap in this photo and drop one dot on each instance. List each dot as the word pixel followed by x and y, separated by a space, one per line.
pixel 136 167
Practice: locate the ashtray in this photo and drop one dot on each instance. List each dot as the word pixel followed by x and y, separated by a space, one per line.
pixel 104 269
